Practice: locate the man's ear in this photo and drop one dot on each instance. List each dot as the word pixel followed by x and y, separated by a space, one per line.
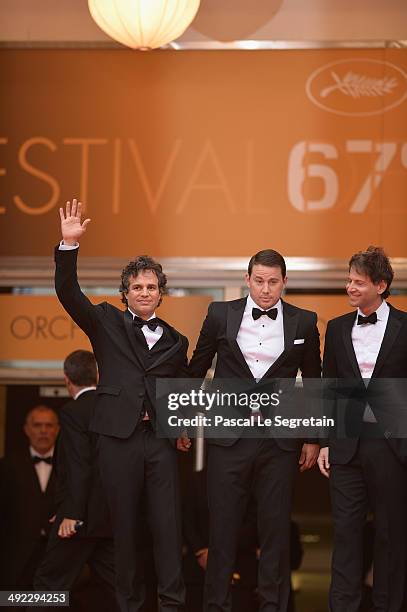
pixel 247 279
pixel 160 299
pixel 381 286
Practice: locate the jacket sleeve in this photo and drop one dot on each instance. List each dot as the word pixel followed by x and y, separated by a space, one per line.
pixel 329 367
pixel 311 362
pixel 59 469
pixel 311 368
pixel 78 464
pixel 206 347
pixel 329 371
pixel 69 293
pixel 182 371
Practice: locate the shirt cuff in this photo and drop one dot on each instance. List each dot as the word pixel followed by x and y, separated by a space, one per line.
pixel 67 247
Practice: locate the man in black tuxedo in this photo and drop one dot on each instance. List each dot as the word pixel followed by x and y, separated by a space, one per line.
pixel 132 348
pixel 366 353
pixel 255 338
pixel 27 491
pixel 82 531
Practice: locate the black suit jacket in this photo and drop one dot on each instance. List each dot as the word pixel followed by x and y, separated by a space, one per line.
pixel 126 378
pixel 80 493
pixel 218 336
pixel 385 389
pixel 25 512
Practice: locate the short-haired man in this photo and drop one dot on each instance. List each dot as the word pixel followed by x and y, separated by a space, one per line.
pixel 132 348
pixel 366 465
pixel 27 491
pixel 255 338
pixel 82 531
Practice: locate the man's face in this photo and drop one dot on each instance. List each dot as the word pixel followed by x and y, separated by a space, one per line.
pixel 266 285
pixel 363 293
pixel 42 428
pixel 143 295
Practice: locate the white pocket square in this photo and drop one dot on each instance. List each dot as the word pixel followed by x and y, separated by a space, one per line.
pixel 299 341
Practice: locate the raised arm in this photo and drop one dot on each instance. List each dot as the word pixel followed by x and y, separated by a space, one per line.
pixel 66 282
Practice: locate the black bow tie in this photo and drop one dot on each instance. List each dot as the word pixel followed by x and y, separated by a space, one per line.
pixel 151 324
pixel 372 318
pixel 257 313
pixel 36 459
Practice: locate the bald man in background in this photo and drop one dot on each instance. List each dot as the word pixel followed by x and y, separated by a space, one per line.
pixel 27 492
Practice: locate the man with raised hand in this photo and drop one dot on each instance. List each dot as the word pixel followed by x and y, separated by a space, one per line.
pixel 365 462
pixel 255 338
pixel 133 348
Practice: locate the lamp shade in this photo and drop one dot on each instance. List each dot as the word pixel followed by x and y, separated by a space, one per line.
pixel 143 24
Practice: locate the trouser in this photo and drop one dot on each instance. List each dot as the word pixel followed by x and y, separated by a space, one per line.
pixel 374 479
pixel 65 559
pixel 144 468
pixel 259 467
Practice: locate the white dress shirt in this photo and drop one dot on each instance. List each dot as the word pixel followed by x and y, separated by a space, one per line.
pixel 261 341
pixel 367 340
pixel 43 469
pixel 68 247
pixel 75 397
pixel 151 336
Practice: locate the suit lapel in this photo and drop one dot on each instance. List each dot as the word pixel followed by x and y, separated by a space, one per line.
pixel 165 355
pixel 347 340
pixel 128 324
pixel 51 481
pixel 162 356
pixel 290 323
pixel 233 322
pixel 33 480
pixel 392 329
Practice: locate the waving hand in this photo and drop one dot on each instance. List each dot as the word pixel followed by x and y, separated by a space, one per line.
pixel 71 227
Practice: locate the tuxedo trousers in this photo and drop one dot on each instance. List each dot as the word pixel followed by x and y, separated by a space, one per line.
pixel 142 472
pixel 261 468
pixel 375 480
pixel 65 559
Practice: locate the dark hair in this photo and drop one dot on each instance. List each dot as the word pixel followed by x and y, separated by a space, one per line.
pixel 81 369
pixel 40 408
pixel 375 264
pixel 141 264
pixel 269 258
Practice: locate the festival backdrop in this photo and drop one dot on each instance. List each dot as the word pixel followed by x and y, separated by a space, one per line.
pixel 211 153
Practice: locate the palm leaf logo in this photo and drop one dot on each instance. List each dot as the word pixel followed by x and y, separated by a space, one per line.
pixel 358 85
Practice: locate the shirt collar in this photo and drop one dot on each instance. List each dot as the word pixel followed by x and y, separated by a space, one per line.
pixel 382 312
pixel 34 453
pixel 134 314
pixel 252 304
pixel 83 391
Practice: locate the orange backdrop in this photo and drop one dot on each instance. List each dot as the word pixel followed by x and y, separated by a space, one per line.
pixel 205 153
pixel 38 328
